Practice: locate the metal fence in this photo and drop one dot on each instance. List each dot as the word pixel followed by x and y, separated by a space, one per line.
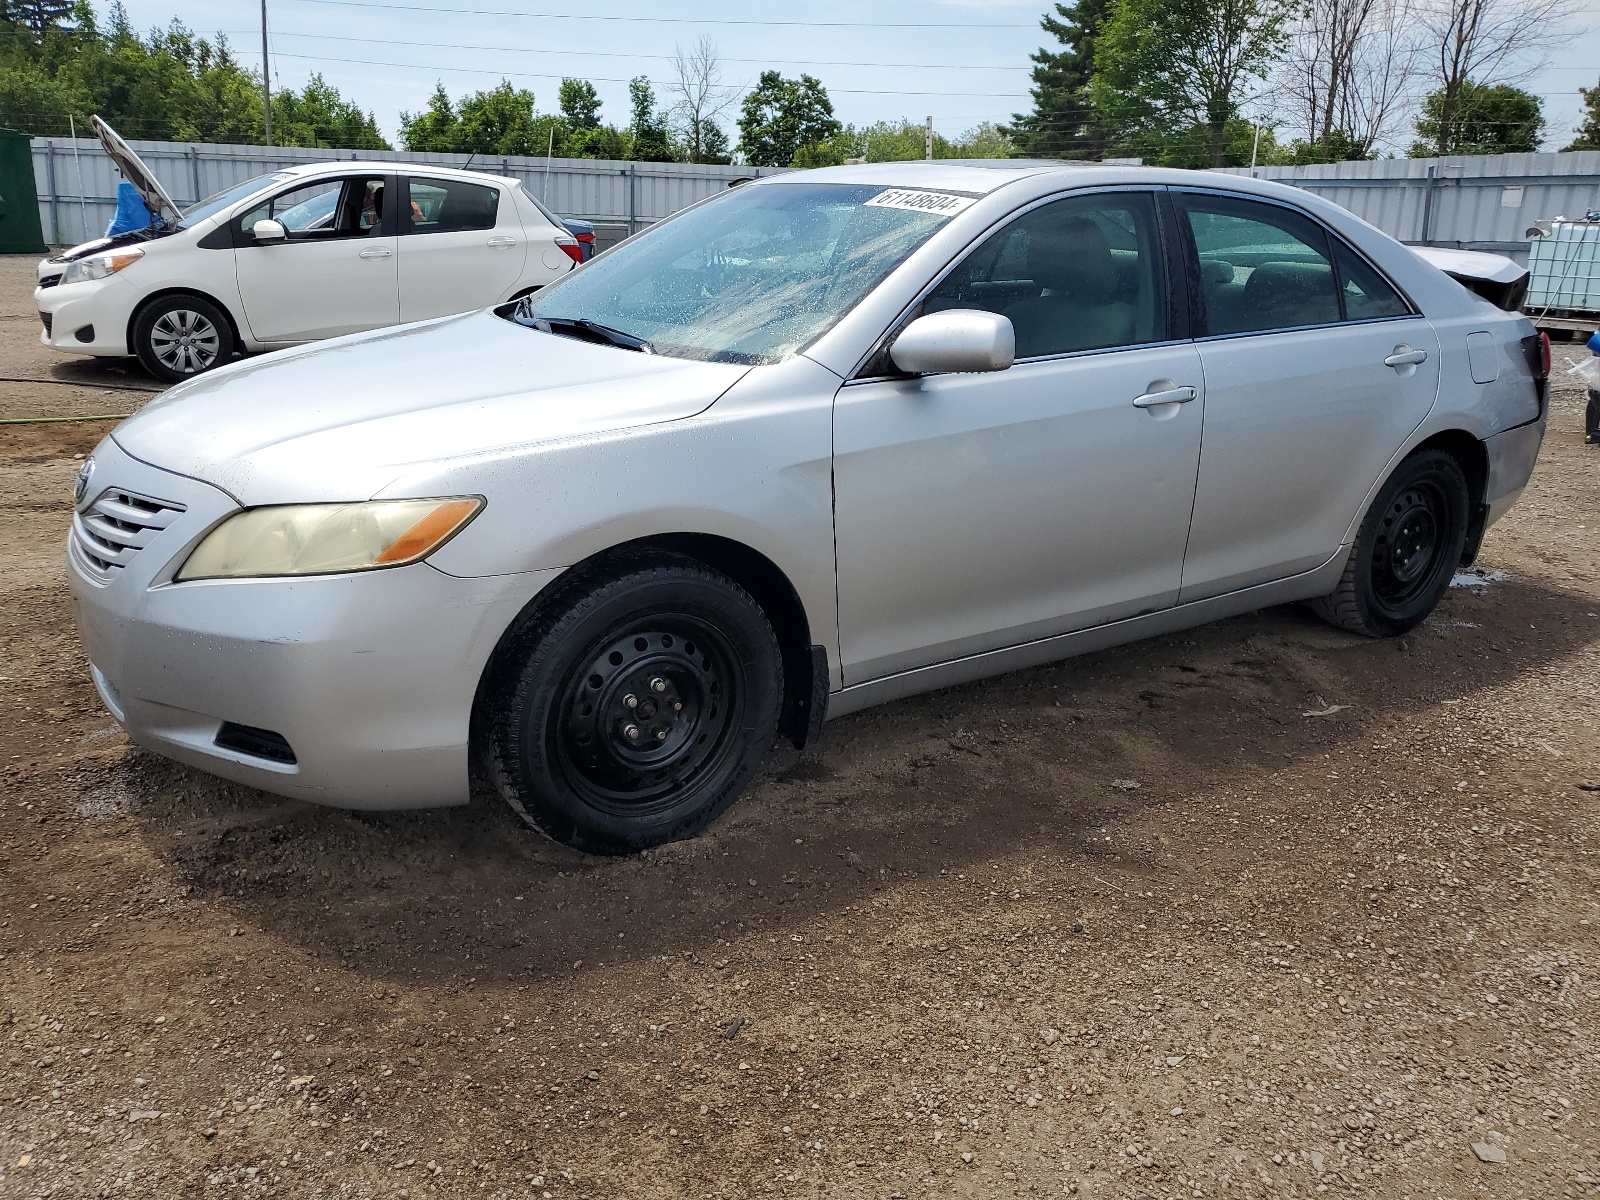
pixel 77 181
pixel 1478 202
pixel 1484 202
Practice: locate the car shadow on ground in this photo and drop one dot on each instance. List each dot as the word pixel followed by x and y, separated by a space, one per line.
pixel 1042 760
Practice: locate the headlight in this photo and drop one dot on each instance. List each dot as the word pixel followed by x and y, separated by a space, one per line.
pixel 325 539
pixel 99 266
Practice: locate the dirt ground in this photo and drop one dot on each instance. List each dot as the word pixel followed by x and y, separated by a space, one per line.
pixel 1257 910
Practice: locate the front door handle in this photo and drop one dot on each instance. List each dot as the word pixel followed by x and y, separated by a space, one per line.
pixel 1405 356
pixel 1176 395
pixel 501 242
pixel 376 252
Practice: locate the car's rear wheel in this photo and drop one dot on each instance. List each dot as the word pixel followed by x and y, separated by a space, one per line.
pixel 180 336
pixel 635 712
pixel 1407 551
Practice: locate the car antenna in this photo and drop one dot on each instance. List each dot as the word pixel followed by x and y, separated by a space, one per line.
pixel 468 163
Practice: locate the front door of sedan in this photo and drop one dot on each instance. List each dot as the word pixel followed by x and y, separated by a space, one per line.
pixel 1317 370
pixel 335 272
pixel 974 512
pixel 461 247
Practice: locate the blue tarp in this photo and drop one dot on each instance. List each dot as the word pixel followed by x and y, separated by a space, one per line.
pixel 131 211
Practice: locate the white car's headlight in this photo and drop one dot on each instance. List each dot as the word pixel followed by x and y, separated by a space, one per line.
pixel 99 266
pixel 326 539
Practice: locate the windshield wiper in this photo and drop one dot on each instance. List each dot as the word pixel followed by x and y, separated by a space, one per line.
pixel 591 331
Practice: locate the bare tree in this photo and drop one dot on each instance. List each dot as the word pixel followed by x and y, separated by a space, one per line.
pixel 1349 72
pixel 1488 42
pixel 702 98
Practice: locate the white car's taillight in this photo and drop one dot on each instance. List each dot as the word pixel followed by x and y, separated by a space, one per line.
pixel 573 248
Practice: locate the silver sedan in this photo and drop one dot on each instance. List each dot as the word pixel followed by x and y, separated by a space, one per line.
pixel 826 440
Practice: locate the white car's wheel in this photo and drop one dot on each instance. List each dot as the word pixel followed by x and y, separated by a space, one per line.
pixel 180 336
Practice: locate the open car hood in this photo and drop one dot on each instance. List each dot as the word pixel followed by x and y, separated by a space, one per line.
pixel 135 172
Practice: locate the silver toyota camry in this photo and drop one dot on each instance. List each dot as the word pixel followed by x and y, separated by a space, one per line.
pixel 826 440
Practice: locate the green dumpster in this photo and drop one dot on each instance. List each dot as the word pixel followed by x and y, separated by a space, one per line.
pixel 19 201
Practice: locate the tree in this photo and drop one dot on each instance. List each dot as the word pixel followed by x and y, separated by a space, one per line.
pixel 702 98
pixel 1349 69
pixel 318 115
pixel 1498 119
pixel 499 121
pixel 580 104
pixel 434 128
pixel 781 115
pixel 1063 122
pixel 1482 43
pixel 651 141
pixel 1589 132
pixel 1183 65
pixel 38 16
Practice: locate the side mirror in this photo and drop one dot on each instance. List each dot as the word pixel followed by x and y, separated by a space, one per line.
pixel 268 231
pixel 956 340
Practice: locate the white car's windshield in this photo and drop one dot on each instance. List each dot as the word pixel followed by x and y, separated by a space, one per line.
pixel 751 277
pixel 212 205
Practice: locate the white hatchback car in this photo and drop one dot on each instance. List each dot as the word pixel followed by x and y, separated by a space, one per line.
pixel 828 439
pixel 295 256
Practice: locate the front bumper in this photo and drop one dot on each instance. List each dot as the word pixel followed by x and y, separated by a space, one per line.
pixel 69 312
pixel 369 677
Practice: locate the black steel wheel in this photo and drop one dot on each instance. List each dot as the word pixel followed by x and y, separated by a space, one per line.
pixel 179 336
pixel 632 712
pixel 1407 551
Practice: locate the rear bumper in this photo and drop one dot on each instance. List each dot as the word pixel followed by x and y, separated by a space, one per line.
pixel 368 677
pixel 1512 455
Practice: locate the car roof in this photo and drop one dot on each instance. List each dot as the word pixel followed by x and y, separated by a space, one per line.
pixel 391 168
pixel 981 176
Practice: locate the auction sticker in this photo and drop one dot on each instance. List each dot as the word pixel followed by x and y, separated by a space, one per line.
pixel 940 204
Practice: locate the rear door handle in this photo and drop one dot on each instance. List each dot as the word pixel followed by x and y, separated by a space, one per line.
pixel 1177 395
pixel 1405 356
pixel 376 252
pixel 501 242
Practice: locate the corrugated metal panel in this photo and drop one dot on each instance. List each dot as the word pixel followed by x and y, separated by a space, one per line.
pixel 1479 202
pixel 77 182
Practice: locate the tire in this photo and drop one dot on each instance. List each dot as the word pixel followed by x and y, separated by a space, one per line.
pixel 178 337
pixel 1409 547
pixel 635 712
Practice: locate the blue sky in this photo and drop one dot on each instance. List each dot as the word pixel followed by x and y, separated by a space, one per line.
pixel 962 61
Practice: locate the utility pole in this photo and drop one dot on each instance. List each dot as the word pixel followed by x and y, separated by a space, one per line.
pixel 266 73
pixel 927 138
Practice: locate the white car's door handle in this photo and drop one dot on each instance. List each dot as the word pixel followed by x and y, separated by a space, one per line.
pixel 1405 356
pixel 501 242
pixel 376 252
pixel 1177 395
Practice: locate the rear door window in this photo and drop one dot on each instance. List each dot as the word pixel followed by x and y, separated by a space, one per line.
pixel 1262 267
pixel 451 206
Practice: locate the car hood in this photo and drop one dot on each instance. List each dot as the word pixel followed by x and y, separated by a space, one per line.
pixel 135 172
pixel 342 419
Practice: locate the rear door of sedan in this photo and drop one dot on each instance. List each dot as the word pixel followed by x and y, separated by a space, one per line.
pixel 1317 369
pixel 975 512
pixel 462 246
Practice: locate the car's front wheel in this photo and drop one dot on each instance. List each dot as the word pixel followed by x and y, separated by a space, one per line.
pixel 176 337
pixel 636 711
pixel 1407 551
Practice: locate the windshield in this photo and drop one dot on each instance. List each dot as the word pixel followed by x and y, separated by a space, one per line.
pixel 753 276
pixel 212 205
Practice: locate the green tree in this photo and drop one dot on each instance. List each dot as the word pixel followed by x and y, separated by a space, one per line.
pixel 318 115
pixel 498 121
pixel 1063 122
pixel 1497 119
pixel 651 141
pixel 606 141
pixel 1183 65
pixel 580 104
pixel 434 128
pixel 1338 146
pixel 1589 132
pixel 780 115
pixel 37 16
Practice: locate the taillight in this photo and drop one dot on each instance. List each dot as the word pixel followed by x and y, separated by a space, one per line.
pixel 1544 343
pixel 572 247
pixel 586 237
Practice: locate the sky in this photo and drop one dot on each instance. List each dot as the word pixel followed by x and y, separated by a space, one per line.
pixel 960 61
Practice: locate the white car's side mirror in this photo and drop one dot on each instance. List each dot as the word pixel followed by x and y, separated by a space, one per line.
pixel 268 231
pixel 956 340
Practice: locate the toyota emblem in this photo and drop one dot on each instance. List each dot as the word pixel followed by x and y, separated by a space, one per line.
pixel 80 485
